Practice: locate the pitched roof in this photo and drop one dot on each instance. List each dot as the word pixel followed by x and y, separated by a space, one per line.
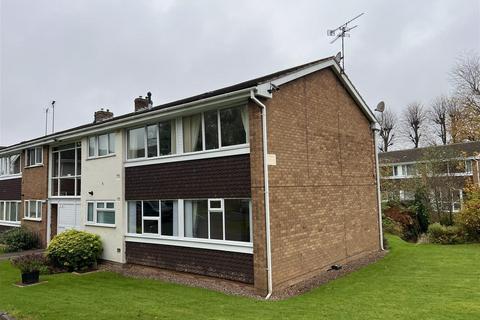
pixel 469 149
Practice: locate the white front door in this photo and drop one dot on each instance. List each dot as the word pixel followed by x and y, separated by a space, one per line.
pixel 68 215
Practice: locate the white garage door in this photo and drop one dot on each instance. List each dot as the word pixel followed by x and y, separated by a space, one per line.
pixel 68 216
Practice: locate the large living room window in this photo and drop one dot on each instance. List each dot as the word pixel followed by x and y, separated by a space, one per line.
pixel 152 141
pixel 66 170
pixel 9 211
pixel 153 217
pixel 218 219
pixel 204 219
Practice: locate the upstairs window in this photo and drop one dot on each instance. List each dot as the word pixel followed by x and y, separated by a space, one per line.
pixel 66 170
pixel 215 129
pixel 34 156
pixel 10 165
pixel 468 166
pixel 152 141
pixel 101 145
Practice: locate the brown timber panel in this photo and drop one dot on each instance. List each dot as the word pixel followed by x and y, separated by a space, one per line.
pixel 221 264
pixel 11 189
pixel 223 177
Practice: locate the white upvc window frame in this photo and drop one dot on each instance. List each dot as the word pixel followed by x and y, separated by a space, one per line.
pixel 96 138
pixel 185 241
pixel 145 140
pixel 6 166
pixel 5 207
pixel 38 209
pixel 77 177
pixel 36 151
pixel 156 218
pixel 95 222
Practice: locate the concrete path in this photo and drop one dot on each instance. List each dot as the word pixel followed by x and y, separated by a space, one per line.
pixel 6 256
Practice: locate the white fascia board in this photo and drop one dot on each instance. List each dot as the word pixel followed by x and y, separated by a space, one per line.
pixel 262 90
pixel 229 97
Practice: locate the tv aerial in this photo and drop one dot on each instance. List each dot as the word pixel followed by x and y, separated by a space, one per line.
pixel 340 33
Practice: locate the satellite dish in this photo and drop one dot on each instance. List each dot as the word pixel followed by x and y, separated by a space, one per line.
pixel 380 106
pixel 338 57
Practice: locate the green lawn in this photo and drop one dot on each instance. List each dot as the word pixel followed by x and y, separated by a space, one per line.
pixel 412 282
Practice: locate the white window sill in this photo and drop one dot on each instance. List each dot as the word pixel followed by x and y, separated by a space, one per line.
pixel 231 246
pixel 101 225
pixel 34 166
pixel 102 157
pixel 226 151
pixel 11 176
pixel 33 219
pixel 10 223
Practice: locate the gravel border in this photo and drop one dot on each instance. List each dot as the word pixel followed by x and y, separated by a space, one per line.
pixel 237 288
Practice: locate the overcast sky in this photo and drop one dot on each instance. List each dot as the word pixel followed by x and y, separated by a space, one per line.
pixel 92 54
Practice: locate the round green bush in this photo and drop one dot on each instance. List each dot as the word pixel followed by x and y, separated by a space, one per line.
pixel 440 234
pixel 75 250
pixel 18 239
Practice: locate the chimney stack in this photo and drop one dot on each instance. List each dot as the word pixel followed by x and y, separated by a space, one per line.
pixel 102 115
pixel 143 103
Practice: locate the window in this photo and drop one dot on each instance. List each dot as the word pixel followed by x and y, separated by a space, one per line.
pixel 101 145
pixel 9 211
pixel 34 156
pixel 215 129
pixel 66 170
pixel 156 217
pixel 218 219
pixel 101 212
pixel 405 170
pixel 33 209
pixel 468 166
pixel 152 140
pixel 10 165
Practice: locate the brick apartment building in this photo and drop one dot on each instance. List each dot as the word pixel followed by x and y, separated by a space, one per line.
pixel 254 182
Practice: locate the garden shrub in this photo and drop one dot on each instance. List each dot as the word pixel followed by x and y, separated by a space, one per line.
pixel 18 239
pixel 74 250
pixel 469 217
pixel 420 206
pixel 440 234
pixel 30 263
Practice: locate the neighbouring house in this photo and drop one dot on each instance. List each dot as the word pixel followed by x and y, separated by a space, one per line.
pixel 445 169
pixel 253 182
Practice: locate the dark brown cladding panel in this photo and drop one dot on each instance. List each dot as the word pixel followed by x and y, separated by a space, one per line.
pixel 224 177
pixel 11 189
pixel 221 264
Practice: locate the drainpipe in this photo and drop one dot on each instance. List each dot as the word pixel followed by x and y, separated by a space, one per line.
pixel 379 196
pixel 266 188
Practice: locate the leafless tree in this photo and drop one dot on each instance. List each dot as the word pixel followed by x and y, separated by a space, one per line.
pixel 414 121
pixel 466 78
pixel 388 124
pixel 439 115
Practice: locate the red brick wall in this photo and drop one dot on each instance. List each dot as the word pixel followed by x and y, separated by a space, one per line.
pixel 322 190
pixel 35 187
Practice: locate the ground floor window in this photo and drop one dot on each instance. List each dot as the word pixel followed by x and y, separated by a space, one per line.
pixel 33 209
pixel 9 211
pixel 214 219
pixel 101 212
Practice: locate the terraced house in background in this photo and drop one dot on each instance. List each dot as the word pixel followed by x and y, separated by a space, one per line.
pixel 447 169
pixel 254 182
